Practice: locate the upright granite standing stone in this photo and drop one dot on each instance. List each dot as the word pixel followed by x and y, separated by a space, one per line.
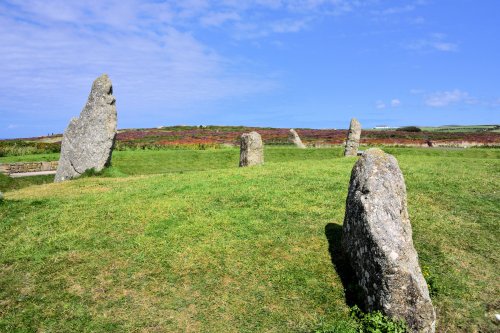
pixel 377 240
pixel 353 136
pixel 294 138
pixel 251 149
pixel 88 140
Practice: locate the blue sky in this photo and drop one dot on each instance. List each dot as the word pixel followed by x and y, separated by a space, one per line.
pixel 310 63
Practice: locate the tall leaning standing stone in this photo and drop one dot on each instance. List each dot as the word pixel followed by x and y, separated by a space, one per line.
pixel 251 149
pixel 377 240
pixel 88 140
pixel 294 138
pixel 353 136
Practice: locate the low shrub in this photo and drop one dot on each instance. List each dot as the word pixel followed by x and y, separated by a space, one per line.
pixel 21 148
pixel 376 322
pixel 409 129
pixel 130 145
pixel 431 280
pixel 360 322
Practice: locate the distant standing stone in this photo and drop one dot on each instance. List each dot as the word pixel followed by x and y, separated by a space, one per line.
pixel 251 149
pixel 353 136
pixel 1 196
pixel 377 239
pixel 88 140
pixel 294 138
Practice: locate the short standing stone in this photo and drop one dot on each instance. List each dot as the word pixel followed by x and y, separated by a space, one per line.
pixel 294 138
pixel 88 140
pixel 377 240
pixel 1 196
pixel 353 136
pixel 251 149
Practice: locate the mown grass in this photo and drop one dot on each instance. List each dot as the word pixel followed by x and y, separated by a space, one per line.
pixel 236 250
pixel 141 162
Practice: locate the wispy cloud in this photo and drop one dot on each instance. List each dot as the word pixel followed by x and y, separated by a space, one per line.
pixel 280 16
pixel 217 19
pixel 286 26
pixel 445 98
pixel 395 102
pixel 395 10
pixel 380 105
pixel 434 42
pixel 52 49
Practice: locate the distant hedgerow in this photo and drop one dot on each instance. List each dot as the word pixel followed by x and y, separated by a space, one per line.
pixel 409 129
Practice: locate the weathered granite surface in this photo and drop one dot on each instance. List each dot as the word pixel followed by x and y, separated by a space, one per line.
pixel 88 140
pixel 377 240
pixel 353 137
pixel 294 138
pixel 251 149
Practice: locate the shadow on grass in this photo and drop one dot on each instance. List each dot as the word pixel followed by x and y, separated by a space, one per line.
pixel 9 184
pixel 353 292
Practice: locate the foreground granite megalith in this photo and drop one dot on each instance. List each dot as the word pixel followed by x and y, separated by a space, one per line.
pixel 377 240
pixel 353 136
pixel 294 138
pixel 251 149
pixel 88 140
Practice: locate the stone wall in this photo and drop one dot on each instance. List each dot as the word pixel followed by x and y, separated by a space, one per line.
pixel 21 167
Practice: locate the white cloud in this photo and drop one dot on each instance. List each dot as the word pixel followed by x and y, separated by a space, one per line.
pixel 415 91
pixel 253 19
pixel 380 105
pixel 52 50
pixel 445 98
pixel 435 42
pixel 447 47
pixel 286 26
pixel 219 18
pixel 392 103
pixel 395 102
pixel 395 10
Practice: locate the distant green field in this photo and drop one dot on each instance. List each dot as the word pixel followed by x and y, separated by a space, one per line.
pixel 210 247
pixel 456 129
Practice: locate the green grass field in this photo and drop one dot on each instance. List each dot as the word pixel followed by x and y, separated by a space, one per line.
pixel 462 129
pixel 184 241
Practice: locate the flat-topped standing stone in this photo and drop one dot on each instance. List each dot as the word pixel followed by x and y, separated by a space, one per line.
pixel 353 136
pixel 251 149
pixel 377 240
pixel 294 138
pixel 88 140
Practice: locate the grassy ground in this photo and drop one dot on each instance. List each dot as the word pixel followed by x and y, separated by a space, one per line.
pixel 458 128
pixel 30 158
pixel 236 250
pixel 141 162
pixel 9 184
